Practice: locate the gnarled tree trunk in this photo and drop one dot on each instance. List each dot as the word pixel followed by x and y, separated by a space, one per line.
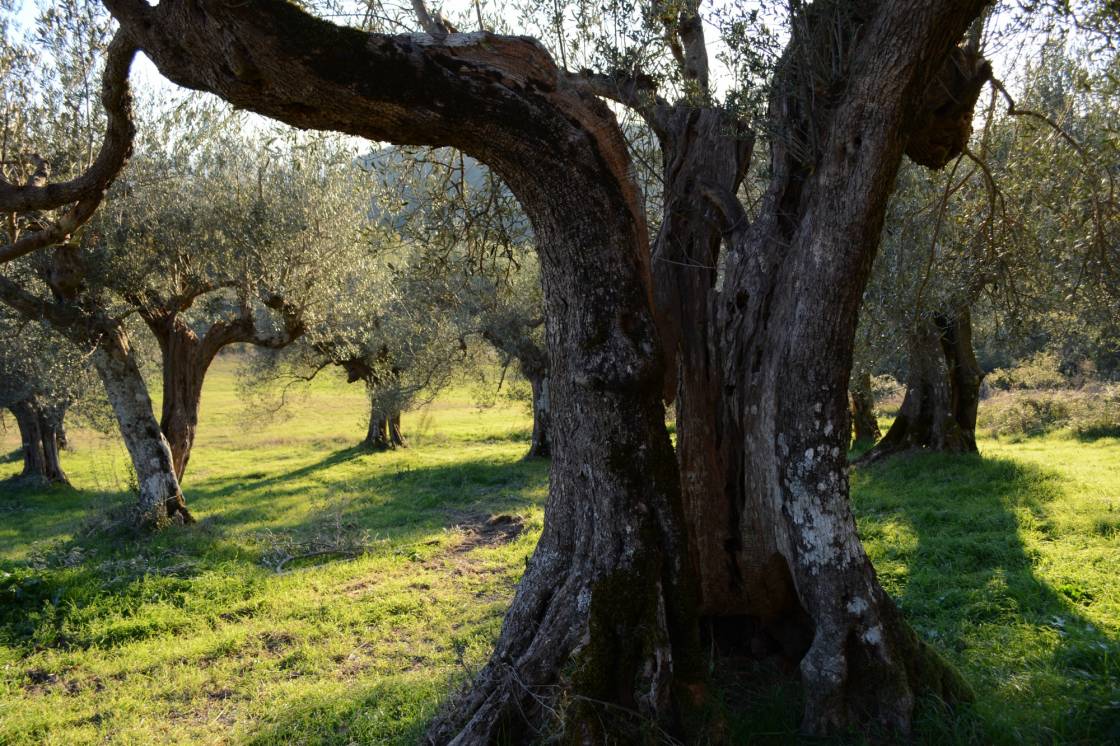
pixel 939 409
pixel 788 314
pixel 159 500
pixel 384 430
pixel 184 369
pixel 703 149
pixel 604 612
pixel 865 425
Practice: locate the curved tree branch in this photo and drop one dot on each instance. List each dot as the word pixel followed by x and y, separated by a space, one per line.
pixel 115 148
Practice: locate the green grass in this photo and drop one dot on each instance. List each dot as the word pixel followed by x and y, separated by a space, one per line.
pixel 1007 564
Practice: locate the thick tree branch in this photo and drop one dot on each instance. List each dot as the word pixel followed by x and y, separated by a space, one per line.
pixel 636 91
pixel 115 150
pixel 684 34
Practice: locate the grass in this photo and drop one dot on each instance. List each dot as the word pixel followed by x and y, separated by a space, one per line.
pixel 1007 564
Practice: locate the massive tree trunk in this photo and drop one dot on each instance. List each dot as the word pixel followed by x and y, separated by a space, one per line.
pixel 703 149
pixel 603 618
pixel 605 612
pixel 160 501
pixel 39 429
pixel 865 425
pixel 788 314
pixel 939 409
pixel 540 444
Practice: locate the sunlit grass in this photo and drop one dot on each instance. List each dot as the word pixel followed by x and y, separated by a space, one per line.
pixel 1007 564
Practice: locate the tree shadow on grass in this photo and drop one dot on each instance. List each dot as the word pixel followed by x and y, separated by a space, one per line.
pixel 1090 434
pixel 968 584
pixel 114 564
pixel 392 710
pixel 391 500
pixel 944 534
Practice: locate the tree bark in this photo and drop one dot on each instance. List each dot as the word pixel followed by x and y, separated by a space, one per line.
pixel 184 370
pixel 703 149
pixel 540 444
pixel 37 439
pixel 50 424
pixel 604 612
pixel 865 425
pixel 939 409
pixel 186 358
pixel 160 501
pixel 396 437
pixel 788 315
pixel 377 433
pixel 384 430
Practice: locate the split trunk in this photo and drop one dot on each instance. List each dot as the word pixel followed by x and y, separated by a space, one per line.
pixel 939 409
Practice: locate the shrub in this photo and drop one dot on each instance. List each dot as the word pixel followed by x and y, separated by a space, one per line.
pixel 1040 371
pixel 1091 412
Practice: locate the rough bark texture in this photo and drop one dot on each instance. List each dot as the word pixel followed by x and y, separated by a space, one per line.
pixel 865 425
pixel 384 431
pixel 160 501
pixel 939 409
pixel 40 434
pixel 703 149
pixel 87 190
pixel 603 613
pixel 788 313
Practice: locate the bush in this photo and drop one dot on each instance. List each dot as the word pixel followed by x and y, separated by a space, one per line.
pixel 1040 371
pixel 1090 412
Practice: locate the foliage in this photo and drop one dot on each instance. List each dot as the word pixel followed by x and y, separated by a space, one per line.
pixel 1040 371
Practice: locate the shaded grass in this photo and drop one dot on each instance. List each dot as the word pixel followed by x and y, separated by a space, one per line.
pixel 1006 564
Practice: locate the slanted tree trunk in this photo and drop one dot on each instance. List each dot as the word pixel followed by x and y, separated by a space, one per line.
pixel 540 445
pixel 160 500
pixel 865 425
pixel 938 412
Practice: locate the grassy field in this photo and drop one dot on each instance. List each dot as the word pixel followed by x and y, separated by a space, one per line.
pixel 329 595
